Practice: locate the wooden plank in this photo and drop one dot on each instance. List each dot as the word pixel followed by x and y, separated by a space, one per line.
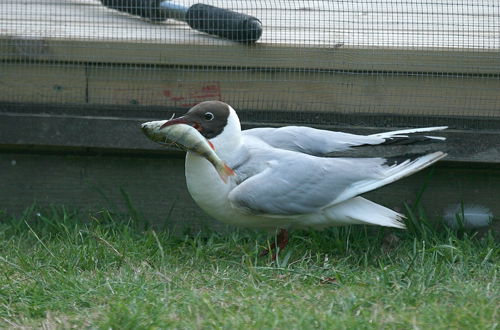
pixel 43 130
pixel 407 36
pixel 115 134
pixel 340 92
pixel 42 83
pixel 156 185
pixel 267 56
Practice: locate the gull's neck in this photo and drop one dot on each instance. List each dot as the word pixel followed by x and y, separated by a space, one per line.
pixel 229 141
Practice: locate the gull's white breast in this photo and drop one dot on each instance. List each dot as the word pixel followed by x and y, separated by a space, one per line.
pixel 211 194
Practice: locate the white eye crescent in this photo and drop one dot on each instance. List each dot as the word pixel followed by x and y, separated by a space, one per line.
pixel 208 116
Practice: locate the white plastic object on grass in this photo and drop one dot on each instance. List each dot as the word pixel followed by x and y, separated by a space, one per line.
pixel 467 216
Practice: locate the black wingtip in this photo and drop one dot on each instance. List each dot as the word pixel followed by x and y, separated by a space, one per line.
pixel 396 160
pixel 397 141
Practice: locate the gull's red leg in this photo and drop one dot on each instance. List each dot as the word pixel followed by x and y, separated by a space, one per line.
pixel 281 242
pixel 282 239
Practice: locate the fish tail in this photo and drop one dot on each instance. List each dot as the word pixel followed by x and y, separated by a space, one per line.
pixel 225 172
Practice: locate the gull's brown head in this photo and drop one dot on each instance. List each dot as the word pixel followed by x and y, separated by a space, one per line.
pixel 209 118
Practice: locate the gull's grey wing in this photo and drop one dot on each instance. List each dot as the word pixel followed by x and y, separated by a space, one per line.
pixel 292 183
pixel 322 142
pixel 310 140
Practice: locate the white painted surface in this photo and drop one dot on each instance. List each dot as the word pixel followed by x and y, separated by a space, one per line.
pixel 397 23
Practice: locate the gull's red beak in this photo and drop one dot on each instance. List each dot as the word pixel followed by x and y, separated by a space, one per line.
pixel 180 120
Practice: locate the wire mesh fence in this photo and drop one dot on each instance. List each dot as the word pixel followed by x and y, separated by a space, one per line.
pixel 396 57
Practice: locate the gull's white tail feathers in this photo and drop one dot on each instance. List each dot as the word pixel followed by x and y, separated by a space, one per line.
pixel 360 210
pixel 390 174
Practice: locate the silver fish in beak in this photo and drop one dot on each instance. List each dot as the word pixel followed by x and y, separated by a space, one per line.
pixel 178 132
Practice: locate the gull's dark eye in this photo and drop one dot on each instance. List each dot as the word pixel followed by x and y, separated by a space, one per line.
pixel 208 116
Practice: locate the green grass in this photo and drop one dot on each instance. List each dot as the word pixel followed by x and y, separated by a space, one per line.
pixel 59 270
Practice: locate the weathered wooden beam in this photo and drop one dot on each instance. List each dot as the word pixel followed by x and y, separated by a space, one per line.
pixel 305 24
pixel 452 96
pixel 122 134
pixel 42 83
pixel 270 56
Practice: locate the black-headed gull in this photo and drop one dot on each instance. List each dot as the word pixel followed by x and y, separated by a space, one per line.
pixel 283 179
